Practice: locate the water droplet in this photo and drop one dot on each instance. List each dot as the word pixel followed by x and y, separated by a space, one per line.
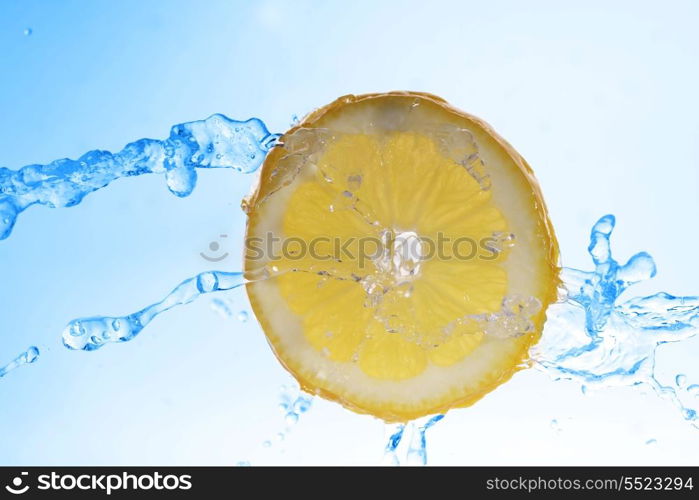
pixel 221 307
pixel 28 31
pixel 302 405
pixel 280 436
pixel 32 354
pixel 243 316
pixel 680 380
pixel 693 389
pixel 267 444
pixel 243 463
pixel 652 441
pixel 291 418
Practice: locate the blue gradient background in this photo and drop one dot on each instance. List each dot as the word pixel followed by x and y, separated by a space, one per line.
pixel 599 97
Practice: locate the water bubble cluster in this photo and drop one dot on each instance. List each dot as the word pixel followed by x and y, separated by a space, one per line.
pixel 293 403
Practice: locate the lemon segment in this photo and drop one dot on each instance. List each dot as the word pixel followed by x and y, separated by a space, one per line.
pixel 396 229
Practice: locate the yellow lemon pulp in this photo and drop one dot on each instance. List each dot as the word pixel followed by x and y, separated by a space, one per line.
pixel 409 259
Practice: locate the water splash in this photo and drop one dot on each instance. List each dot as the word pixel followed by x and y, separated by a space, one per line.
pixel 588 336
pixel 594 340
pixel 394 436
pixel 217 142
pixel 89 334
pixel 417 450
pixel 27 357
pixel 591 338
pixel 407 443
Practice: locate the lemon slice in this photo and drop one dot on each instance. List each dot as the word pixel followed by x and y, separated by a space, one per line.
pixel 400 256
